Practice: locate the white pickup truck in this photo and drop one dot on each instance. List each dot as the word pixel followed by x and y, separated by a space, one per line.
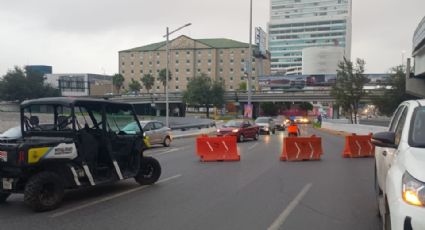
pixel 400 168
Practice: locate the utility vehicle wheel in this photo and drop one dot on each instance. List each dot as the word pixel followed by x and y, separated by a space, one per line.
pixel 44 191
pixel 241 138
pixel 3 197
pixel 167 142
pixel 149 172
pixel 256 136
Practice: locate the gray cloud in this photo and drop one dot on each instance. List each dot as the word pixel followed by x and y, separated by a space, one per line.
pixel 85 36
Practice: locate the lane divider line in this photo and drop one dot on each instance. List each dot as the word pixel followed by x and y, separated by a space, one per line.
pixel 288 210
pixel 111 197
pixel 169 151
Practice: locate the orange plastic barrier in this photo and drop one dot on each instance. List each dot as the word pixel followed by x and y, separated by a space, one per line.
pixel 302 148
pixel 217 148
pixel 358 146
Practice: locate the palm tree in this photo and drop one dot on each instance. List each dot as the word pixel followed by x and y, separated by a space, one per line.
pixel 148 81
pixel 118 81
pixel 162 77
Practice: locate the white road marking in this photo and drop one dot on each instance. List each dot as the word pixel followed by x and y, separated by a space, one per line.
pixel 169 151
pixel 108 198
pixel 253 146
pixel 288 210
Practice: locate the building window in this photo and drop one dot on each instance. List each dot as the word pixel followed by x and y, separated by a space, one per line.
pixel 231 61
pixel 150 63
pixel 150 71
pixel 188 70
pixel 177 70
pixel 221 70
pixel 177 53
pixel 243 51
pixel 199 70
pixel 177 61
pixel 132 71
pixel 177 79
pixel 123 71
pixel 253 69
pixel 243 61
pixel 221 79
pixel 157 62
pixel 209 60
pixel 209 70
pixel 157 87
pixel 177 87
pixel 157 70
pixel 231 78
pixel 231 87
pixel 221 51
pixel 242 69
pixel 188 61
pixel 132 63
pixel 188 52
pixel 187 79
pixel 199 61
pixel 231 70
pixel 123 63
pixel 132 55
pixel 157 54
pixel 141 63
pixel 199 52
pixel 141 71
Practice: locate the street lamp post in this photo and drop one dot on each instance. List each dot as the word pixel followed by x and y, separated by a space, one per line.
pixel 249 66
pixel 167 36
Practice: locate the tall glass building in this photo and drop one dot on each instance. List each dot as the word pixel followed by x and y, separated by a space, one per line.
pixel 298 24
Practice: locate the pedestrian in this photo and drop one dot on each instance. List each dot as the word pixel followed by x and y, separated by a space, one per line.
pixel 319 119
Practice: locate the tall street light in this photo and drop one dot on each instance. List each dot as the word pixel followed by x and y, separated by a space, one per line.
pixel 167 36
pixel 249 66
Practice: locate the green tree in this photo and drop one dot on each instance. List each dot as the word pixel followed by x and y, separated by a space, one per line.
pixel 395 94
pixel 243 86
pixel 134 86
pixel 162 77
pixel 202 91
pixel 349 87
pixel 148 81
pixel 118 81
pixel 19 85
pixel 306 106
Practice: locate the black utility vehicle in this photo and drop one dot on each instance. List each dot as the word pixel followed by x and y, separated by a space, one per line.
pixel 70 143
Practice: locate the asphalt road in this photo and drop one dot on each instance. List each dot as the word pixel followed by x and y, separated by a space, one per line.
pixel 259 192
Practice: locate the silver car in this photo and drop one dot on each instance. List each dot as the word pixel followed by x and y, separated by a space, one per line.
pixel 266 125
pixel 156 131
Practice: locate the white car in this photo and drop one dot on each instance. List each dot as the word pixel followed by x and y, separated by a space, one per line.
pixel 400 168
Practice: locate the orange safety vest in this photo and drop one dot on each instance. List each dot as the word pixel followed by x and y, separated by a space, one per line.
pixel 293 129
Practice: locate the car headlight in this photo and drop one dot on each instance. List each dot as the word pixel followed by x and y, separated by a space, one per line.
pixel 144 134
pixel 413 190
pixel 218 130
pixel 235 130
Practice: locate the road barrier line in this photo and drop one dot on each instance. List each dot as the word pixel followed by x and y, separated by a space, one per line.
pixel 169 151
pixel 288 210
pixel 108 198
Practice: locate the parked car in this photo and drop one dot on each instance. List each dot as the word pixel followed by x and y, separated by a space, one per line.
pixel 156 132
pixel 399 168
pixel 266 125
pixel 11 134
pixel 242 129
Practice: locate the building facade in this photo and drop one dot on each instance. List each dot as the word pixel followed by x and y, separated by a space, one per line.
pixel 80 85
pixel 220 59
pixel 415 85
pixel 298 24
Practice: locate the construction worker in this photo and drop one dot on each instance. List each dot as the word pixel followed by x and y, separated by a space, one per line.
pixel 293 129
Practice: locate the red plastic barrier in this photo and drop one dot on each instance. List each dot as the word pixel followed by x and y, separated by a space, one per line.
pixel 217 148
pixel 358 146
pixel 302 148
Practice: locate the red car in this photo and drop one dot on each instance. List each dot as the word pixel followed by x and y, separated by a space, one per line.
pixel 241 129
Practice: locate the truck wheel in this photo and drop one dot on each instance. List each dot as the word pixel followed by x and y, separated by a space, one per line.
pixel 149 172
pixel 3 197
pixel 167 142
pixel 44 191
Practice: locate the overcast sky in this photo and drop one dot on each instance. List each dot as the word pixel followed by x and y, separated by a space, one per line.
pixel 86 35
